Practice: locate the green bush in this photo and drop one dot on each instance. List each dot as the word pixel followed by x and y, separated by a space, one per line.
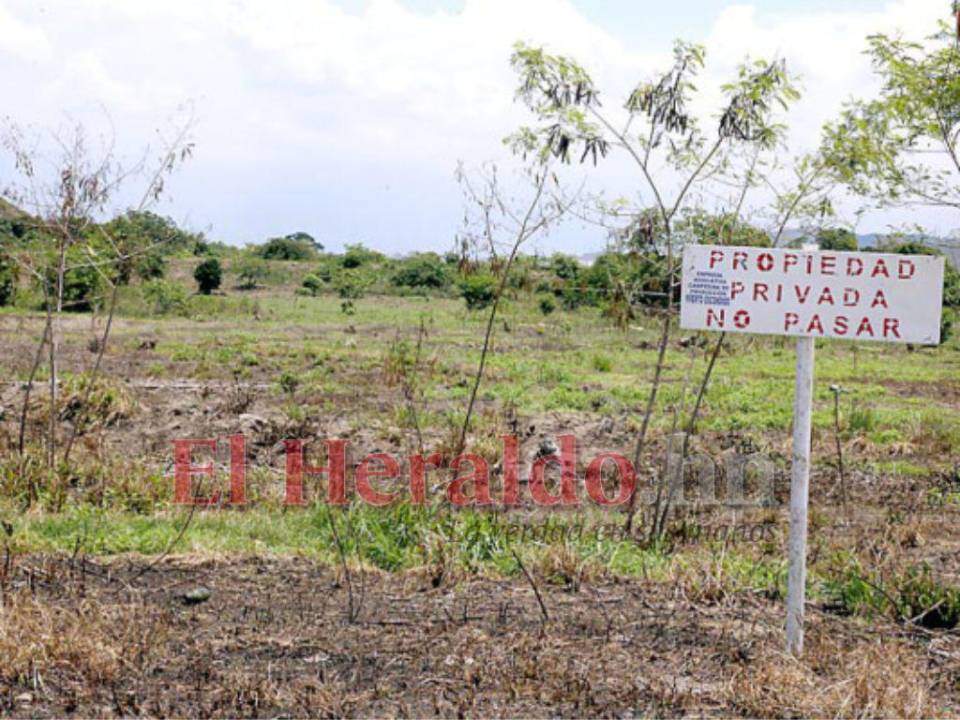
pixel 349 286
pixel 165 297
pixel 358 255
pixel 295 247
pixel 837 240
pixel 208 275
pixel 479 291
pixel 312 284
pixel 8 279
pixel 946 325
pixel 82 283
pixel 547 305
pixel 425 270
pixel 602 363
pixel 252 271
pixel 565 267
pixel 150 266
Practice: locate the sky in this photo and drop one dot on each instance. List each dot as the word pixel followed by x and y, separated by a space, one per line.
pixel 346 119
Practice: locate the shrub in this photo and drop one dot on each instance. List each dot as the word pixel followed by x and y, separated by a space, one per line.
pixel 8 279
pixel 547 305
pixel 479 291
pixel 358 255
pixel 289 248
pixel 312 284
pixel 349 286
pixel 426 270
pixel 288 382
pixel 252 271
pixel 166 297
pixel 565 267
pixel 602 363
pixel 150 266
pixel 837 239
pixel 208 275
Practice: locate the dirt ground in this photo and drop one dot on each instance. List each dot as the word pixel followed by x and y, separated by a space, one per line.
pixel 277 638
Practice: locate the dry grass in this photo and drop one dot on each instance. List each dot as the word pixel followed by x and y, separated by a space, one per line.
pixel 877 679
pixel 86 645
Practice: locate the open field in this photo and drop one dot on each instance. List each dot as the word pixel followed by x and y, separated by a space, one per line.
pixel 430 611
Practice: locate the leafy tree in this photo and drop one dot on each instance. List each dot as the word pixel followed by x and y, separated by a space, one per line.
pixel 725 228
pixel 659 130
pixel 565 267
pixel 890 148
pixel 251 271
pixel 143 240
pixel 838 240
pixel 424 270
pixel 306 238
pixel 479 291
pixel 296 247
pixel 208 275
pixel 358 255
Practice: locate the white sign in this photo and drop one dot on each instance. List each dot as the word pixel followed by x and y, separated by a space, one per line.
pixel 851 296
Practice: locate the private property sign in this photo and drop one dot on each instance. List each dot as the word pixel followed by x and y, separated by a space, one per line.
pixel 851 296
pixel 810 294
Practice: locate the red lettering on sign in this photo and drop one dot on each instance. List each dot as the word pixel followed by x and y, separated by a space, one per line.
pixel 891 328
pixel 760 292
pixel 740 258
pixel 735 289
pixel 790 320
pixel 815 326
pixel 880 300
pixel 854 267
pixel 826 297
pixel 880 269
pixel 716 256
pixel 851 297
pixel 840 325
pixel 865 328
pixel 802 294
pixel 715 317
pixel 906 269
pixel 742 319
pixel 828 265
pixel 765 262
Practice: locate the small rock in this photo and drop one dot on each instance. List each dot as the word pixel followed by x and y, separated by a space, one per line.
pixel 196 596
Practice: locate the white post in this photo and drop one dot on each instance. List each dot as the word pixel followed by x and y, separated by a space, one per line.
pixel 799 493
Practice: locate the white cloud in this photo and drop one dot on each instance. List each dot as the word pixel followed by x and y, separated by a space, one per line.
pixel 348 124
